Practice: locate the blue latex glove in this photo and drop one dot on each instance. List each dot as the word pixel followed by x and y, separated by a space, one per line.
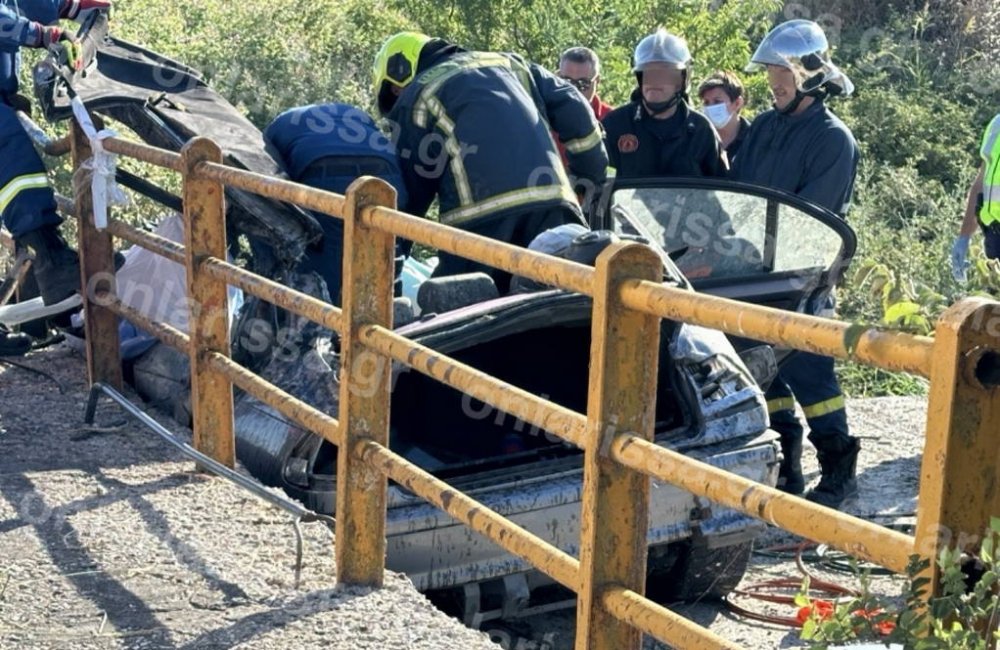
pixel 960 258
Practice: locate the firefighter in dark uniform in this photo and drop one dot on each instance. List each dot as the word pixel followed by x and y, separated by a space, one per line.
pixel 656 133
pixel 27 204
pixel 26 199
pixel 472 129
pixel 799 146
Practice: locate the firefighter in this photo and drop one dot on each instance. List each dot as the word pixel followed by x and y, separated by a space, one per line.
pixel 656 133
pixel 799 146
pixel 983 205
pixel 26 199
pixel 328 146
pixel 472 128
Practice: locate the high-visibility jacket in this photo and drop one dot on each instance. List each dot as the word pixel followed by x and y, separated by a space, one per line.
pixel 473 130
pixel 990 151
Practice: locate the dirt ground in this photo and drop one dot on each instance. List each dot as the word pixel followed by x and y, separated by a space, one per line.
pixel 108 539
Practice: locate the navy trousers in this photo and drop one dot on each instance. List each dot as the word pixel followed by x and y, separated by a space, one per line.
pixel 26 199
pixel 810 380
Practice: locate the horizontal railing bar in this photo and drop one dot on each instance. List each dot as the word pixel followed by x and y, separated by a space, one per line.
pixel 560 566
pixel 660 623
pixel 857 537
pixel 150 241
pixel 57 148
pixel 144 152
pixel 291 407
pixel 568 425
pixel 895 351
pixel 165 333
pixel 276 188
pixel 288 405
pixel 294 301
pixel 542 268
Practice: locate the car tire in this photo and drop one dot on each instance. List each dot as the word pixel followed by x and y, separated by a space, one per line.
pixel 698 573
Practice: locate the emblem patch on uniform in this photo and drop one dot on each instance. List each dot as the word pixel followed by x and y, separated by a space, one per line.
pixel 628 143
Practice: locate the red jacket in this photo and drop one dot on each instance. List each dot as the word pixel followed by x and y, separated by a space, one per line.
pixel 600 110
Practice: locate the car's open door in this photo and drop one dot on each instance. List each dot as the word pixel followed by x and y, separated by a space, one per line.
pixel 733 239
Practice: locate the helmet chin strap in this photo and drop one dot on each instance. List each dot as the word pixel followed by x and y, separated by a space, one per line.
pixel 655 108
pixel 800 96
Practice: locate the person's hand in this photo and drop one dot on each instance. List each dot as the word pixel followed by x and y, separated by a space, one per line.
pixel 58 40
pixel 960 258
pixel 80 10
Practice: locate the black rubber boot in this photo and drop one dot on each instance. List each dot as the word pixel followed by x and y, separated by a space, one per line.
pixel 56 265
pixel 790 478
pixel 838 461
pixel 13 344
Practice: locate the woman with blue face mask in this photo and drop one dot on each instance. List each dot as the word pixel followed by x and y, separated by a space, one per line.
pixel 723 98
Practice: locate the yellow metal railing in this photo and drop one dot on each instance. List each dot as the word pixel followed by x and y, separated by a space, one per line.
pixel 959 486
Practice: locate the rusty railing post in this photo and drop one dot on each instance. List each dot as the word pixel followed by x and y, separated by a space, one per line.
pixel 622 399
pixel 960 473
pixel 208 303
pixel 97 273
pixel 364 388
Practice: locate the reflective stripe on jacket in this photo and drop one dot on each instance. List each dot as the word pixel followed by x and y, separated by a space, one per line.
pixel 473 130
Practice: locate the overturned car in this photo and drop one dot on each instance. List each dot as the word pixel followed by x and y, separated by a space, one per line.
pixel 709 403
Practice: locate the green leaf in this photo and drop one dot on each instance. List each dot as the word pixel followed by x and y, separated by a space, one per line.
pixel 901 310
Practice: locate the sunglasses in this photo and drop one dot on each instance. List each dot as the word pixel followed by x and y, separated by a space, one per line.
pixel 582 84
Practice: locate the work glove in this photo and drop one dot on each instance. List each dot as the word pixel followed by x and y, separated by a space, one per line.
pixel 80 10
pixel 960 258
pixel 56 39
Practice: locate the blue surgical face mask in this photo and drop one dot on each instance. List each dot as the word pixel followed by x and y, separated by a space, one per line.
pixel 718 114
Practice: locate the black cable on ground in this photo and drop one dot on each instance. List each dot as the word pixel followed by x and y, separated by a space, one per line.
pixel 26 367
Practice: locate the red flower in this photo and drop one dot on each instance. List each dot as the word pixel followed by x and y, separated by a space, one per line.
pixel 820 609
pixel 883 627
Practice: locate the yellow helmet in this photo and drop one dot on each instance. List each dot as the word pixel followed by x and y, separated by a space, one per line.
pixel 396 62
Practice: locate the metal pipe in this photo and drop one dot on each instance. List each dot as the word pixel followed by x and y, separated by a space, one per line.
pixel 16 276
pixel 150 241
pixel 560 566
pixel 296 302
pixel 328 203
pixel 291 407
pixel 513 259
pixel 852 535
pixel 895 351
pixel 661 623
pixel 563 422
pixel 165 333
pixel 300 512
pixel 144 152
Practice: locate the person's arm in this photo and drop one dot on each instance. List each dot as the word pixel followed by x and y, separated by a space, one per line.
pixel 611 136
pixel 831 170
pixel 971 220
pixel 571 117
pixel 715 162
pixel 422 159
pixel 960 247
pixel 17 31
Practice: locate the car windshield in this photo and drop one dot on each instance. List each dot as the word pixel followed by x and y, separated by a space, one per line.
pixel 719 233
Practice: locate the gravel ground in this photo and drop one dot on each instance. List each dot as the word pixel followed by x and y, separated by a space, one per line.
pixel 888 475
pixel 109 540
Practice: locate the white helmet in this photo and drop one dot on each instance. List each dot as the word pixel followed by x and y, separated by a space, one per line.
pixel 661 47
pixel 801 46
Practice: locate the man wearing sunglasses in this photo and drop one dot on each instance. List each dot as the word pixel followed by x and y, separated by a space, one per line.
pixel 581 68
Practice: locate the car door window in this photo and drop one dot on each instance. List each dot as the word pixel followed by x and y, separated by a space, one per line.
pixel 721 233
